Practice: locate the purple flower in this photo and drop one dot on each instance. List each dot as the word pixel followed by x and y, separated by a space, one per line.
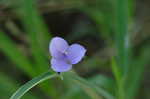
pixel 63 55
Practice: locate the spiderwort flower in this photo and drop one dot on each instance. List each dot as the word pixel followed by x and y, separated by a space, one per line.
pixel 63 55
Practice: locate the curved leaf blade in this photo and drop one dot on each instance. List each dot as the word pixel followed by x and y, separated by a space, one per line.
pixel 26 87
pixel 88 87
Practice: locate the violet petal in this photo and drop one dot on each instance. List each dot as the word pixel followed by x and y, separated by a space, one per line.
pixel 75 53
pixel 60 65
pixel 57 47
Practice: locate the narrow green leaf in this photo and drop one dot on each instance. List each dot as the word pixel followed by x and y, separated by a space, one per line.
pixel 91 89
pixel 122 35
pixel 11 50
pixel 99 80
pixel 136 72
pixel 8 85
pixel 119 81
pixel 37 33
pixel 39 38
pixel 104 82
pixel 135 79
pixel 122 38
pixel 26 87
pixel 116 70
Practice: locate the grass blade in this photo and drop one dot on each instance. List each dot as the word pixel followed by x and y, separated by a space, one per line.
pixel 37 33
pixel 99 80
pixel 39 40
pixel 135 75
pixel 121 67
pixel 91 89
pixel 26 87
pixel 8 85
pixel 11 50
pixel 122 35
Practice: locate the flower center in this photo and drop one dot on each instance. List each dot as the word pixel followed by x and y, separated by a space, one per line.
pixel 66 58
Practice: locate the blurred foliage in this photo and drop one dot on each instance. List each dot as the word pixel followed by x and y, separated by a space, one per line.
pixel 115 33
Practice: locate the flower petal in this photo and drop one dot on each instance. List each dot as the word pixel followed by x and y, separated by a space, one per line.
pixel 75 53
pixel 60 65
pixel 57 47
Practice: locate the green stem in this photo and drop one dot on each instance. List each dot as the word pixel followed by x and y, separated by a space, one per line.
pixel 26 87
pixel 90 89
